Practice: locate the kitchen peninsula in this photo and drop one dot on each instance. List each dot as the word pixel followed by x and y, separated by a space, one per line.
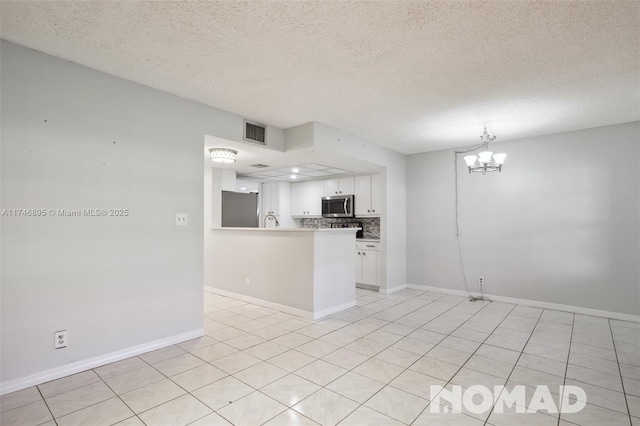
pixel 307 272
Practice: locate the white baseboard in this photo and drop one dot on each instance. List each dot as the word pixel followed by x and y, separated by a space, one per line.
pixel 333 310
pixel 368 287
pixel 534 303
pixel 97 361
pixel 392 289
pixel 282 308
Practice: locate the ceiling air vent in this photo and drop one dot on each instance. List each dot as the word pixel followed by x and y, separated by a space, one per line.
pixel 260 166
pixel 254 132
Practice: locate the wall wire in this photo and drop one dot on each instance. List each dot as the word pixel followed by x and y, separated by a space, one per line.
pixel 472 298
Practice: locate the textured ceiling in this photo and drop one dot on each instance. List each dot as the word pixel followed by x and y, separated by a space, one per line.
pixel 414 76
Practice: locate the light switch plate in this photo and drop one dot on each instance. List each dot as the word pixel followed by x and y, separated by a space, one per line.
pixel 182 219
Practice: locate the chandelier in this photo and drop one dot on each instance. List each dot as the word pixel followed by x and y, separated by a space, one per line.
pixel 223 155
pixel 485 161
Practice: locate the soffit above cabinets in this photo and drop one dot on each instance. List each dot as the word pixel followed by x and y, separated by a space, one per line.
pixel 296 173
pixel 279 166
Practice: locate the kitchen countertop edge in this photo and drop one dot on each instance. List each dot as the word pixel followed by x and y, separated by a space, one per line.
pixel 338 230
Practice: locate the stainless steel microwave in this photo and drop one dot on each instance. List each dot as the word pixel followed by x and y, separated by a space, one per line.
pixel 338 206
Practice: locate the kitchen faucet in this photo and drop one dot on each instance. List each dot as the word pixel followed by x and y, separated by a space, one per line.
pixel 264 224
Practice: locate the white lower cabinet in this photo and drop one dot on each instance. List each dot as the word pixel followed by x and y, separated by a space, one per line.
pixel 367 261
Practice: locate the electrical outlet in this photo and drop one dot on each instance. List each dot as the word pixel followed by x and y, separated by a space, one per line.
pixel 60 339
pixel 247 282
pixel 182 219
pixel 481 280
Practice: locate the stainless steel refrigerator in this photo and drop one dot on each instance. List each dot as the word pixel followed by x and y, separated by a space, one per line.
pixel 239 209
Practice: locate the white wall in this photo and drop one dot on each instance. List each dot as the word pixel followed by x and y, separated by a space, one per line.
pixel 114 283
pixel 559 224
pixel 392 224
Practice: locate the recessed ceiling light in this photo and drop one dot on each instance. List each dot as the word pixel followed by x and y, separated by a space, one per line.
pixel 295 170
pixel 293 177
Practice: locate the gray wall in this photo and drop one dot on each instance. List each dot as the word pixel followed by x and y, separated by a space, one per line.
pixel 113 282
pixel 559 224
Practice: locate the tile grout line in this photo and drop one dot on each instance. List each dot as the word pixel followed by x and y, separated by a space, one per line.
pixel 520 356
pixel 404 336
pixel 566 369
pixel 341 347
pixel 425 354
pixel 405 368
pixel 471 355
pixel 615 350
pixel 46 404
pixel 350 370
pixel 388 346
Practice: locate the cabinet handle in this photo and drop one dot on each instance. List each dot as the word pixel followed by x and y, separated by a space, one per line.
pixel 358 253
pixel 364 253
pixel 370 246
pixel 368 210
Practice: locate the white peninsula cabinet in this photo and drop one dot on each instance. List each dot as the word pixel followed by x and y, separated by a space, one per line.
pixel 306 198
pixel 368 195
pixel 318 283
pixel 367 260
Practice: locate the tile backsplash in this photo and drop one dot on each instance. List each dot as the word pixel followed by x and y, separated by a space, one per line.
pixel 370 225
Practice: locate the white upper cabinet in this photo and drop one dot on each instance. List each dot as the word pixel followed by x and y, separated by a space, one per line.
pixel 368 195
pixel 376 195
pixel 306 199
pixel 298 199
pixel 271 199
pixel 342 186
pixel 306 196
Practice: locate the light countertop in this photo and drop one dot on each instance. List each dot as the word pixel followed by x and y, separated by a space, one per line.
pixel 336 230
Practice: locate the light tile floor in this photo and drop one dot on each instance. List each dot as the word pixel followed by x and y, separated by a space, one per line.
pixel 373 364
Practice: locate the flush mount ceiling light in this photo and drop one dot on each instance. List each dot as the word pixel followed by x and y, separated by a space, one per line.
pixel 223 155
pixel 485 161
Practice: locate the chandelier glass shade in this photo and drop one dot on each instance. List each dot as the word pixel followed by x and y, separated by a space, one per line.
pixel 223 155
pixel 485 161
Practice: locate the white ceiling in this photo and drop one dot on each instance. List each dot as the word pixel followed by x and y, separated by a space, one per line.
pixel 414 76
